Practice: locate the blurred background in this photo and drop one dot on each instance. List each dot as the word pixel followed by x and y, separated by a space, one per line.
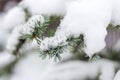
pixel 5 5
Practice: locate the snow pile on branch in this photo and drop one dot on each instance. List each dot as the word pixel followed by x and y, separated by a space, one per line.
pixel 29 27
pixel 31 67
pixel 15 17
pixel 4 38
pixel 115 18
pixel 13 39
pixel 5 59
pixel 55 7
pixel 117 77
pixel 80 70
pixel 91 20
pixel 53 42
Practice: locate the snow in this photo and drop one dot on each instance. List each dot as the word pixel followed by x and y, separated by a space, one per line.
pixel 117 77
pixel 5 59
pixel 53 42
pixel 107 70
pixel 31 67
pixel 13 39
pixel 115 19
pixel 4 38
pixel 55 7
pixel 14 17
pixel 90 20
pixel 28 28
pixel 80 70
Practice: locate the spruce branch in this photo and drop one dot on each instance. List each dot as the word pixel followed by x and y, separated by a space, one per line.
pixel 94 58
pixel 18 46
pixel 35 28
pixel 48 49
pixel 77 44
pixel 53 51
